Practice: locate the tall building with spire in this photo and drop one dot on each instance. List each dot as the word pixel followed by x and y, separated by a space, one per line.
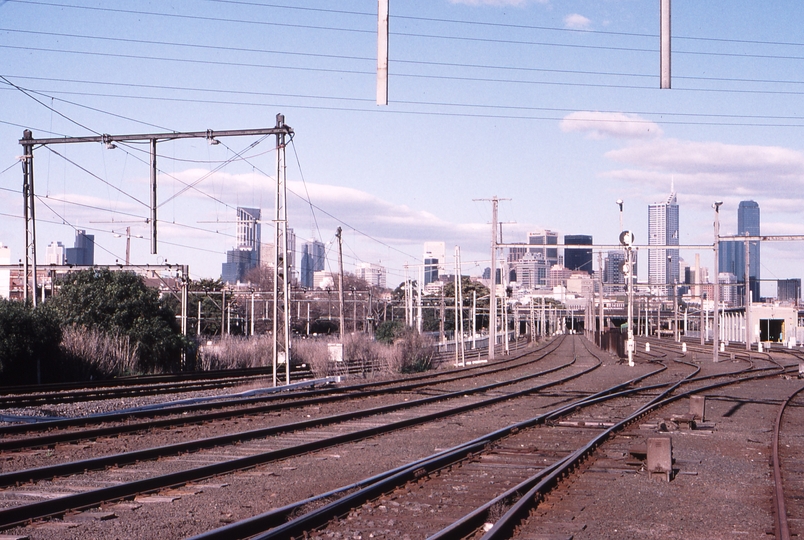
pixel 663 231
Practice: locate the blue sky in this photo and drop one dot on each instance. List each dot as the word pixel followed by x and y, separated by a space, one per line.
pixel 552 104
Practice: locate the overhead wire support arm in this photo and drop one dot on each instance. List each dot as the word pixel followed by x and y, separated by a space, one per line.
pixel 28 142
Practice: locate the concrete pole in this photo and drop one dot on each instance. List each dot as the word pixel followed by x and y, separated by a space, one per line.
pixel 493 293
pixel 748 333
pixel 715 314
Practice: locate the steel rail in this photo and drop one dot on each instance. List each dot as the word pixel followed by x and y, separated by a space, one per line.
pixel 26 513
pixel 519 511
pixel 298 399
pixel 277 520
pixel 782 529
pixel 101 393
pixel 75 467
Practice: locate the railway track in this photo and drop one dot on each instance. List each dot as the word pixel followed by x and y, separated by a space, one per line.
pixel 530 457
pixel 788 476
pixel 481 460
pixel 240 457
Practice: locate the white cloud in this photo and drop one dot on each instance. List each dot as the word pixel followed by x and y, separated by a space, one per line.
pixel 599 125
pixel 713 168
pixel 577 22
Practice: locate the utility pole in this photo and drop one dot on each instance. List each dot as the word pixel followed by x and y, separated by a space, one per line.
pixel 493 294
pixel 664 44
pixel 602 313
pixel 748 333
pixel 281 322
pixel 30 217
pixel 340 283
pixel 715 314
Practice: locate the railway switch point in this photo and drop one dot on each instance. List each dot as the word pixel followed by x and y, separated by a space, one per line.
pixel 684 421
pixel 698 407
pixel 647 347
pixel 801 370
pixel 660 457
pixel 684 347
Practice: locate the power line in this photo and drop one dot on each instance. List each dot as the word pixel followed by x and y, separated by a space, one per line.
pixel 495 106
pixel 51 109
pixel 68 160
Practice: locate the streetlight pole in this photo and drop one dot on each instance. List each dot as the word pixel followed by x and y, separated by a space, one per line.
pixel 715 322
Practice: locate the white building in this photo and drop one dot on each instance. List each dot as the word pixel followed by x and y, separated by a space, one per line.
pixel 371 273
pixel 56 254
pixel 663 231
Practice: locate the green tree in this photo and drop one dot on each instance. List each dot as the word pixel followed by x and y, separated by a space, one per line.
pixel 29 344
pixel 121 302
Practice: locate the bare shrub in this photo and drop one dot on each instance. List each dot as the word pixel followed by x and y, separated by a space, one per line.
pixel 363 354
pixel 235 352
pixel 314 353
pixel 99 353
pixel 414 352
pixel 411 352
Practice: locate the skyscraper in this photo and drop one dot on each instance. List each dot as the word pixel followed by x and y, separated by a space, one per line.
pixel 247 253
pixel 434 259
pixel 748 224
pixel 731 254
pixel 544 238
pixel 56 253
pixel 83 251
pixel 313 255
pixel 578 259
pixel 663 231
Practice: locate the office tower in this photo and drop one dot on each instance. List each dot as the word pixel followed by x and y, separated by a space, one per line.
pixel 246 254
pixel 83 251
pixel 788 290
pixel 663 231
pixel 613 270
pixel 731 253
pixel 371 273
pixel 56 254
pixel 434 260
pixel 546 254
pixel 313 256
pixel 578 259
pixel 748 224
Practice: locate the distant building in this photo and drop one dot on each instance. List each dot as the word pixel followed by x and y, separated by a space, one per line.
pixel 559 275
pixel 531 271
pixel 544 238
pixel 788 290
pixel 731 253
pixel 728 289
pixel 663 231
pixel 578 259
pixel 434 260
pixel 246 254
pixel 371 273
pixel 324 280
pixel 56 254
pixel 516 253
pixel 313 259
pixel 83 251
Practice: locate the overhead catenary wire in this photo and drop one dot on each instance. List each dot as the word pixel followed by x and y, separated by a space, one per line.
pixel 371 101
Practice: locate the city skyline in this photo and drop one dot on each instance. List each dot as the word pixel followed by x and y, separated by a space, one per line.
pixel 555 108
